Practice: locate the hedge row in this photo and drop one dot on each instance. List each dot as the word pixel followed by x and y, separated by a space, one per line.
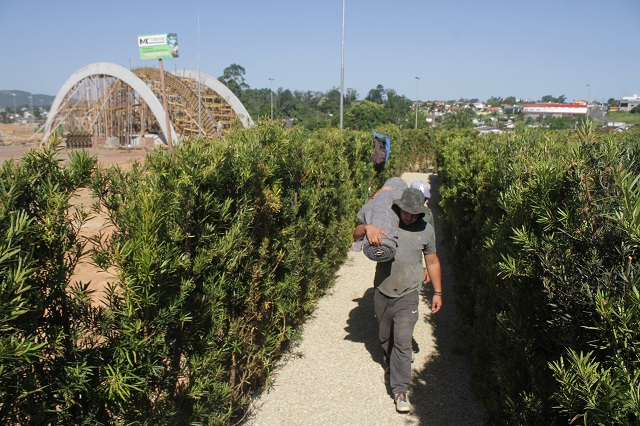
pixel 220 250
pixel 545 229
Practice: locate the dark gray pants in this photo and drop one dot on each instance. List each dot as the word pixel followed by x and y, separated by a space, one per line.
pixel 397 317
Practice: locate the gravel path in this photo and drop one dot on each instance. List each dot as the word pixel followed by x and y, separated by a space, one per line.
pixel 335 376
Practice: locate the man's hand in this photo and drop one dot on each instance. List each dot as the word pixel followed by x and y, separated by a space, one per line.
pixel 433 269
pixel 374 234
pixel 436 303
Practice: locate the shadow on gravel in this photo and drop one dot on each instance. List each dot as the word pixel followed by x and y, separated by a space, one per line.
pixel 362 327
pixel 441 393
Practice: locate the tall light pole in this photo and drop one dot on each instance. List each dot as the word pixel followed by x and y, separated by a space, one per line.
pixel 15 110
pixel 588 100
pixel 31 103
pixel 417 96
pixel 199 86
pixel 271 93
pixel 342 71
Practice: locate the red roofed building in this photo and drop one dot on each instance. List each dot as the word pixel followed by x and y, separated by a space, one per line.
pixel 553 109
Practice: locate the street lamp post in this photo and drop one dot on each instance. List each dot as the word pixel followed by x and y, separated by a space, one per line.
pixel 588 100
pixel 31 103
pixel 417 96
pixel 271 93
pixel 15 110
pixel 344 2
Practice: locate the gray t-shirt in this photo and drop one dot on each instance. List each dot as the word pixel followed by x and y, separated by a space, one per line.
pixel 405 273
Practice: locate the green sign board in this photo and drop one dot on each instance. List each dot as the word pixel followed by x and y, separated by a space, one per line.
pixel 158 46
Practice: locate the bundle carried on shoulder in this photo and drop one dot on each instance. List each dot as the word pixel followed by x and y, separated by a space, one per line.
pixel 379 212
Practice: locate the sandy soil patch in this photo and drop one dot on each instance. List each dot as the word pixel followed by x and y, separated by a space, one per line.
pixel 98 223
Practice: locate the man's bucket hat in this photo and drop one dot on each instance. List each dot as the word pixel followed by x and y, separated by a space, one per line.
pixel 412 201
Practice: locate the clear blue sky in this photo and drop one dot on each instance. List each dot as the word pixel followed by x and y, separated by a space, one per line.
pixel 459 49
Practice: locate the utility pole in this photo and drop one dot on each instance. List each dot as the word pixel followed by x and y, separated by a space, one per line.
pixel 342 71
pixel 199 89
pixel 271 93
pixel 588 100
pixel 164 105
pixel 417 96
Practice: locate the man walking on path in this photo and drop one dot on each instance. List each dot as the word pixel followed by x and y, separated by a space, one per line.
pixel 397 283
pixel 425 188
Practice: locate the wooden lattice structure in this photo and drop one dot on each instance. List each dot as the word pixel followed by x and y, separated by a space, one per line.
pixel 112 103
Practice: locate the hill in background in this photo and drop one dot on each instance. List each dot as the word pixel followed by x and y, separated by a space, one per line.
pixel 22 99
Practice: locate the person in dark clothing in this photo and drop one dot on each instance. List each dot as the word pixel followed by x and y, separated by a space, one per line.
pixel 397 283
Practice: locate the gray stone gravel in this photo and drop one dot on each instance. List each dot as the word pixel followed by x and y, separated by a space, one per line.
pixel 334 375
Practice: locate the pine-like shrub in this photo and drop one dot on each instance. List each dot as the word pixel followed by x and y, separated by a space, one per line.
pixel 47 362
pixel 543 243
pixel 219 251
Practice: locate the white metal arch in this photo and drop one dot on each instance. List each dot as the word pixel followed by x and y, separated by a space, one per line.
pixel 222 90
pixel 113 70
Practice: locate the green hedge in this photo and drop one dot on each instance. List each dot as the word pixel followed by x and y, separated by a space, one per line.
pixel 222 247
pixel 544 228
pixel 220 250
pixel 45 352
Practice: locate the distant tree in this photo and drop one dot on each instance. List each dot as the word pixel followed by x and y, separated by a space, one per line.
pixel 494 101
pixel 558 123
pixel 550 99
pixel 376 95
pixel 459 120
pixel 510 100
pixel 257 102
pixel 311 118
pixel 612 102
pixel 286 103
pixel 635 110
pixel 329 102
pixel 233 78
pixel 396 108
pixel 350 97
pixel 364 115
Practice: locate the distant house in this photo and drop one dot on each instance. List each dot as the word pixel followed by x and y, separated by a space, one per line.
pixel 497 110
pixel 612 128
pixel 553 109
pixel 628 103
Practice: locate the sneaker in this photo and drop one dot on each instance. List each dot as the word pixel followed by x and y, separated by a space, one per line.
pixel 402 402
